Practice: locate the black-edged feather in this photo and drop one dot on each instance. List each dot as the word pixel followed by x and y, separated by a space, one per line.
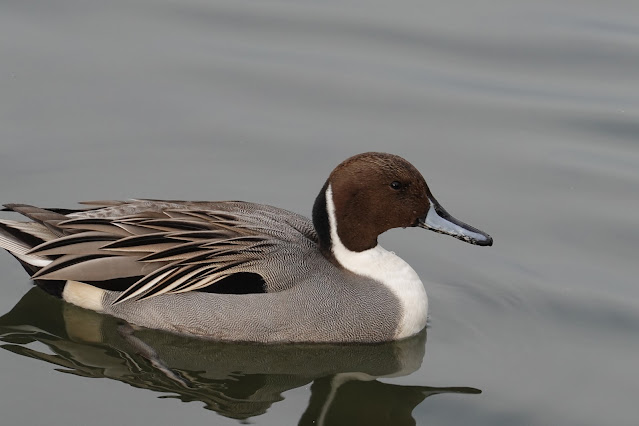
pixel 81 243
pixel 93 267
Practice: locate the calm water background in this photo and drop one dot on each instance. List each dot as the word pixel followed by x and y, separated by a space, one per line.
pixel 522 116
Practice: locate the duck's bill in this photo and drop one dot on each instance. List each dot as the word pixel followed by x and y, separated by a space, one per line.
pixel 437 219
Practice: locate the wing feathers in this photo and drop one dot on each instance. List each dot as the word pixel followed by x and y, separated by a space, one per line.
pixel 156 241
pixel 171 247
pixel 143 285
pixel 82 243
pixel 33 229
pixel 93 224
pixel 94 267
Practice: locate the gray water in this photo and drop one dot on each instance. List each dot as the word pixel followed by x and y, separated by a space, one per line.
pixel 522 116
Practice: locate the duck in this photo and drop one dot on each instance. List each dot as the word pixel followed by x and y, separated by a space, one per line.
pixel 242 271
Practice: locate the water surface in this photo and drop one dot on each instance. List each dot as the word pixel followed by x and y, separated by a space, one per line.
pixel 522 117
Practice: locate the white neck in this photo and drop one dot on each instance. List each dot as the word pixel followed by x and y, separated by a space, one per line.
pixel 386 268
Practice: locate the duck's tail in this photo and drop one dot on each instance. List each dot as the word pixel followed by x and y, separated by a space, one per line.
pixel 18 238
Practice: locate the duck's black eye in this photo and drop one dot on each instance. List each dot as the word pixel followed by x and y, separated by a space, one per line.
pixel 396 185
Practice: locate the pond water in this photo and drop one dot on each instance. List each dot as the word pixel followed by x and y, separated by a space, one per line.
pixel 522 116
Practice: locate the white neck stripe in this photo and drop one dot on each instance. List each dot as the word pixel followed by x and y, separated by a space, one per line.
pixel 337 247
pixel 386 268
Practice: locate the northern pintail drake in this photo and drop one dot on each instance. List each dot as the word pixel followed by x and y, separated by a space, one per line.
pixel 233 270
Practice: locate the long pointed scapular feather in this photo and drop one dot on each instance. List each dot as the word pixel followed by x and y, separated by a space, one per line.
pixel 153 242
pixel 89 268
pixel 130 295
pixel 80 243
pixel 172 281
pixel 92 224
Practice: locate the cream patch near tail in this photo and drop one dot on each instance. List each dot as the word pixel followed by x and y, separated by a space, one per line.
pixel 83 295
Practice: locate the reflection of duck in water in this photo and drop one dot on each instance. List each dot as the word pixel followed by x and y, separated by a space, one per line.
pixel 236 380
pixel 243 271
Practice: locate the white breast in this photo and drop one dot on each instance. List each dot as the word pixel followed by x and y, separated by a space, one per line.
pixel 387 268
